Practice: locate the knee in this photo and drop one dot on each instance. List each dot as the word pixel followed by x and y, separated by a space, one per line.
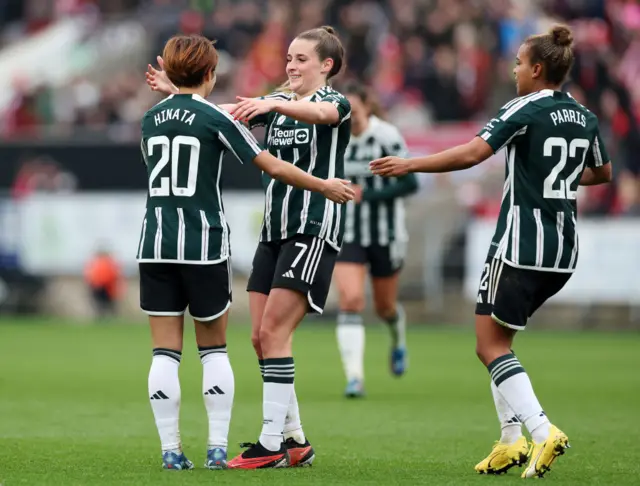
pixel 267 335
pixel 487 353
pixel 352 303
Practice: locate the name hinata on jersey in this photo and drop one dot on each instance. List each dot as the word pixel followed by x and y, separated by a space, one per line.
pixel 174 114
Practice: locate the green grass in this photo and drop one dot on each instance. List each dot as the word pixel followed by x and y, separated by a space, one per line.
pixel 74 408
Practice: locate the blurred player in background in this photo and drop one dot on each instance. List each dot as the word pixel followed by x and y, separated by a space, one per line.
pixel 375 239
pixel 553 144
pixel 184 247
pixel 308 125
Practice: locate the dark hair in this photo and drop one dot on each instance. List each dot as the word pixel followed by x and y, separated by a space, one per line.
pixel 188 59
pixel 365 95
pixel 328 45
pixel 554 51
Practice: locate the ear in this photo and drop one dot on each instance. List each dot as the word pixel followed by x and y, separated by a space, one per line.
pixel 536 70
pixel 327 65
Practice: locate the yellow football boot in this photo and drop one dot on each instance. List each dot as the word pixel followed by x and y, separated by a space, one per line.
pixel 504 456
pixel 543 454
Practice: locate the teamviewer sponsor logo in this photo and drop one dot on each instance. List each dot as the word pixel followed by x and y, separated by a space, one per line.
pixel 302 135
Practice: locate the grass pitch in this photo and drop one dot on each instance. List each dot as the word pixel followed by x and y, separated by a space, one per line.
pixel 74 408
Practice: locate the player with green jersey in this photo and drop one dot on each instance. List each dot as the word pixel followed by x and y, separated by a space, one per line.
pixel 552 145
pixel 184 247
pixel 309 126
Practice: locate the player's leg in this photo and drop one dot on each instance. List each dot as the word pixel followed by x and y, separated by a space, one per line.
pixel 349 276
pixel 386 263
pixel 549 441
pixel 512 448
pixel 297 268
pixel 163 299
pixel 513 294
pixel 209 292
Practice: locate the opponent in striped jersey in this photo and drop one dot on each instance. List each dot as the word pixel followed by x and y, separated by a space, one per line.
pixel 184 247
pixel 552 145
pixel 375 239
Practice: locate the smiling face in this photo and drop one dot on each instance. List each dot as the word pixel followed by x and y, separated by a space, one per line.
pixel 306 71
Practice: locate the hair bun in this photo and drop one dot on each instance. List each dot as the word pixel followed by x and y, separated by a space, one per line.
pixel 329 29
pixel 562 35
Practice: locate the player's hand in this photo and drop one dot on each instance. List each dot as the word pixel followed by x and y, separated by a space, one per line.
pixel 248 108
pixel 338 190
pixel 390 166
pixel 158 79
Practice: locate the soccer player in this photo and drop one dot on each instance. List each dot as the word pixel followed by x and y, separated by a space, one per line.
pixel 375 237
pixel 552 145
pixel 308 125
pixel 184 249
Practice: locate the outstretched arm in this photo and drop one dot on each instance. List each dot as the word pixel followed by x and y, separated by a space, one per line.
pixel 453 159
pixel 322 113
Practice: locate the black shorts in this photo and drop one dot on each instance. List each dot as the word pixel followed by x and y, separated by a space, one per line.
pixel 383 261
pixel 167 289
pixel 511 295
pixel 303 263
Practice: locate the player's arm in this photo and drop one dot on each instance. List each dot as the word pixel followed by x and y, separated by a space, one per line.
pixel 510 122
pixel 453 159
pixel 597 175
pixel 246 148
pixel 337 190
pixel 333 109
pixel 598 169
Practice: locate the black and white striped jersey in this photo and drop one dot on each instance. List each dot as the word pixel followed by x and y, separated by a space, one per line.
pixel 549 140
pixel 380 217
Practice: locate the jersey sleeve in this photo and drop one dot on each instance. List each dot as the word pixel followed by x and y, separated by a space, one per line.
pixel 510 122
pixel 597 155
pixel 235 136
pixel 263 119
pixel 393 142
pixel 340 102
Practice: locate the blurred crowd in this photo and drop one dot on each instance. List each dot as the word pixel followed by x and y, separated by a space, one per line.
pixel 430 61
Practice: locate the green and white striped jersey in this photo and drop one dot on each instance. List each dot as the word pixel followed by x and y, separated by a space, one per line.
pixel 184 139
pixel 317 149
pixel 549 139
pixel 380 217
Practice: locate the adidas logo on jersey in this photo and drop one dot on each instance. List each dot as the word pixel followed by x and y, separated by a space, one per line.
pixel 288 274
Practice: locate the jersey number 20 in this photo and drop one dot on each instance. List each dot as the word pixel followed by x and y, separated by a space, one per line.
pixel 170 152
pixel 567 150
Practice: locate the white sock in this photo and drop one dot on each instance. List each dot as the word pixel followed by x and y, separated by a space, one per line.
pixel 164 395
pixel 515 387
pixel 218 388
pixel 510 426
pixel 292 424
pixel 350 334
pixel 277 388
pixel 398 326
